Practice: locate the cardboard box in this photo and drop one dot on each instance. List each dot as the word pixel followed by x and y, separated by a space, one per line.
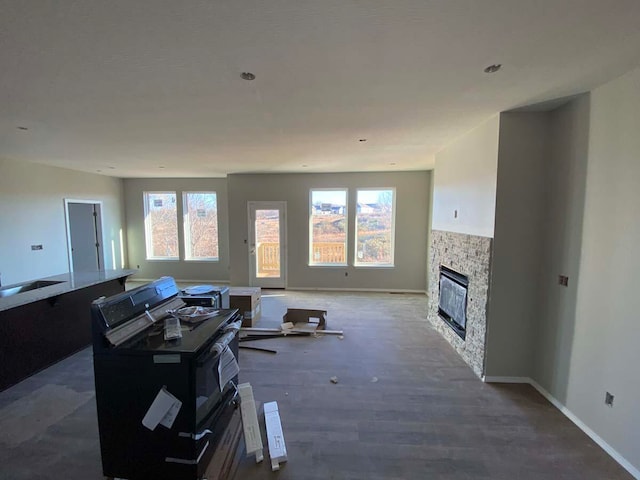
pixel 247 300
pixel 303 315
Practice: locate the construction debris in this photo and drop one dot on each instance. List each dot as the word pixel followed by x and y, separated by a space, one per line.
pixel 278 332
pixel 266 350
pixel 252 436
pixel 301 315
pixel 275 437
pixel 301 327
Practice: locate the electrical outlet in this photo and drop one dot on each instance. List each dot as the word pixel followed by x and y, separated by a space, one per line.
pixel 563 280
pixel 608 399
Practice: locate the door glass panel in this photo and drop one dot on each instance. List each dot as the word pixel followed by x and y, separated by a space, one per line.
pixel 267 241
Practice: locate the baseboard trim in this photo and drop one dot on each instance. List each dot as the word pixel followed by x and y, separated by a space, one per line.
pixel 490 379
pixel 582 426
pixel 372 290
pixel 313 289
pixel 613 453
pixel 183 280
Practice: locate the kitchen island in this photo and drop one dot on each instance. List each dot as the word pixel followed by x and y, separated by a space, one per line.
pixel 50 320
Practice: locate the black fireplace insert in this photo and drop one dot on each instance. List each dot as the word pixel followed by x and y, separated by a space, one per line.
pixel 452 302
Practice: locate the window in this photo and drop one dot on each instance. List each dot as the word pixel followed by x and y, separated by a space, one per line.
pixel 328 227
pixel 200 225
pixel 161 225
pixel 375 227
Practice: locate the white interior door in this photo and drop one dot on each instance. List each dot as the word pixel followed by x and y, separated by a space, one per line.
pixel 267 244
pixel 84 236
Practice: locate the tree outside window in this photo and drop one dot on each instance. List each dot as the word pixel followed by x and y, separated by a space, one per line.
pixel 375 227
pixel 200 225
pixel 161 225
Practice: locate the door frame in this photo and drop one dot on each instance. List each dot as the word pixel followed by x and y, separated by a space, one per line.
pixel 254 281
pixel 99 229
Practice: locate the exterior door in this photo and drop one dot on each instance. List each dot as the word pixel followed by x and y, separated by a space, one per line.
pixel 267 244
pixel 84 238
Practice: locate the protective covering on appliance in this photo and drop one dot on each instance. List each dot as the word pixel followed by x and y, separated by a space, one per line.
pixel 194 314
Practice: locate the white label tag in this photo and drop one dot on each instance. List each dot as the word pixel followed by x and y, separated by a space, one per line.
pixel 163 410
pixel 173 358
pixel 227 367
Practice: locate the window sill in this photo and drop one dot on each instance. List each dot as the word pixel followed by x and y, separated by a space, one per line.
pixel 364 265
pixel 325 265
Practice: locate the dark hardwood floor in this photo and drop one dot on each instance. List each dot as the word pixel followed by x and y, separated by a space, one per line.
pixel 405 407
pixel 427 415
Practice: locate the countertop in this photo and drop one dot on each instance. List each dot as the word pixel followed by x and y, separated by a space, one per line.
pixel 71 281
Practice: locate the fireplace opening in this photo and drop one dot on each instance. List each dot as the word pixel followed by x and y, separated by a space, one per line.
pixel 452 302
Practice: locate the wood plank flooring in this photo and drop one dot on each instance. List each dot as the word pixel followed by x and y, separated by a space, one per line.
pixel 405 406
pixel 426 417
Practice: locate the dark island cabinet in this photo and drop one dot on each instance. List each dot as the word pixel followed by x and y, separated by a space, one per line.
pixel 36 335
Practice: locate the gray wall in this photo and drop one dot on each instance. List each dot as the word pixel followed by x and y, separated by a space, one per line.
pixel 134 188
pixel 412 207
pixel 32 212
pixel 593 340
pixel 567 203
pixel 562 243
pixel 523 155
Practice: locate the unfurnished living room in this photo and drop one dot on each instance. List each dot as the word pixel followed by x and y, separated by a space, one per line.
pixel 319 239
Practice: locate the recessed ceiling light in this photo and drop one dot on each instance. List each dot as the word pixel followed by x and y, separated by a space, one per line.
pixel 362 140
pixel 23 128
pixel 247 76
pixel 493 68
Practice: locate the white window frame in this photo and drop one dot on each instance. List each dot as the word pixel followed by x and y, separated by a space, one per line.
pixel 147 226
pixel 358 264
pixel 187 230
pixel 311 263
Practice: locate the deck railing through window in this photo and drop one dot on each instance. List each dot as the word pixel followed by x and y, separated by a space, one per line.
pixel 268 256
pixel 328 253
pixel 268 259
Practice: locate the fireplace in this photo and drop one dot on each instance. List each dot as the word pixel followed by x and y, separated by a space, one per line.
pixel 470 257
pixel 452 300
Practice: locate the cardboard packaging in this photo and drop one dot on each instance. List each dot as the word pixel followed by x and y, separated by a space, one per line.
pixel 302 315
pixel 247 301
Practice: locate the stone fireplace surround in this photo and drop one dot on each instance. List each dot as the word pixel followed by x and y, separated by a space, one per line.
pixel 471 256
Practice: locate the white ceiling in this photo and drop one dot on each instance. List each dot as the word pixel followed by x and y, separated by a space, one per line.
pixel 152 88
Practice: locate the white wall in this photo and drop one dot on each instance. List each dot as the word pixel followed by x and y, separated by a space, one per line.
pixel 605 351
pixel 215 272
pixel 412 207
pixel 32 213
pixel 465 180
